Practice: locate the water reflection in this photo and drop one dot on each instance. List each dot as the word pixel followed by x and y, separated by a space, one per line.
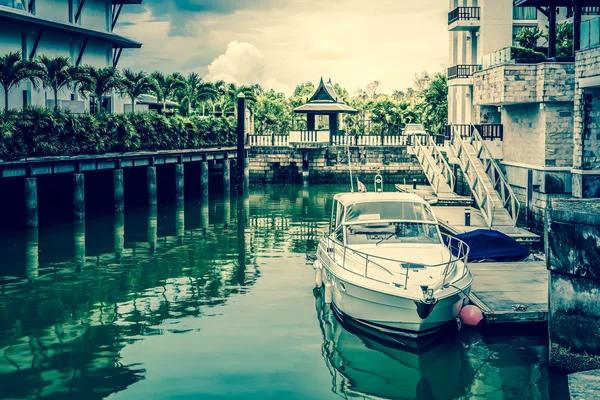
pixel 220 288
pixel 365 366
pixel 66 317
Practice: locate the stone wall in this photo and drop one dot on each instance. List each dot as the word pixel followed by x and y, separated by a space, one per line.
pixel 573 259
pixel 523 134
pixel 330 165
pixel 586 135
pixel 524 83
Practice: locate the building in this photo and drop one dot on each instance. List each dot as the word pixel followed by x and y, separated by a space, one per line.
pixel 79 29
pixel 536 106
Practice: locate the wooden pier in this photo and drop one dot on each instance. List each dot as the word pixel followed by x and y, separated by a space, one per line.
pixel 32 168
pixel 450 210
pixel 510 292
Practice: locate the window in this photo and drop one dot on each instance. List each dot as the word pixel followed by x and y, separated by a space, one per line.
pixel 525 13
pixel 393 232
pixel 71 12
pixel 26 99
pixel 105 106
pixel 18 4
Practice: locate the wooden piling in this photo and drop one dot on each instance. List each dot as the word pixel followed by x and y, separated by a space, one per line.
pixel 226 176
pixel 241 181
pixel 78 196
pixel 118 192
pixel 204 178
pixel 31 203
pixel 179 183
pixel 152 187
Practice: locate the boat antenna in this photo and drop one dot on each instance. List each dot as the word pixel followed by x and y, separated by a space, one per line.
pixel 349 162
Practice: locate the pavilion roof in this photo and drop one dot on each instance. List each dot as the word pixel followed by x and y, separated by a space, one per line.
pixel 325 100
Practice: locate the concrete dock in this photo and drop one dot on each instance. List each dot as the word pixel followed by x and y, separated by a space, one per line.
pixel 511 292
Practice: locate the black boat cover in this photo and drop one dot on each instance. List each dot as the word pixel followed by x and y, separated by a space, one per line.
pixel 491 245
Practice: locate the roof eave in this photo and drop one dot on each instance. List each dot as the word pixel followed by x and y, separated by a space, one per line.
pixel 28 19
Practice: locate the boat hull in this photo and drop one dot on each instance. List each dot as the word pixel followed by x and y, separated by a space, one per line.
pixel 394 314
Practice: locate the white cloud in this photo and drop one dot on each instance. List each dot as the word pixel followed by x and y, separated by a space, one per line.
pixel 325 49
pixel 279 47
pixel 243 64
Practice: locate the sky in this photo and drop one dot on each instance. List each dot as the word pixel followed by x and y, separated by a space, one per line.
pixel 281 43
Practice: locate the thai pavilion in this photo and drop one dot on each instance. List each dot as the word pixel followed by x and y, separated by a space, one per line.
pixel 324 102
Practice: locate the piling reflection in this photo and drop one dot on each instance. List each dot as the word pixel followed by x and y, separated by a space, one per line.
pixel 79 236
pixel 32 253
pixel 119 235
pixel 152 227
pixel 180 222
pixel 63 336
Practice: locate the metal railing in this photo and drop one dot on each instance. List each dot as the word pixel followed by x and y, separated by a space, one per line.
pixel 323 137
pixel 463 71
pixel 434 164
pixel 487 131
pixel 339 253
pixel 464 14
pixel 499 182
pixel 268 140
pixel 476 179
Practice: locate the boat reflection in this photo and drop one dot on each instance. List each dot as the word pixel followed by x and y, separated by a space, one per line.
pixel 365 365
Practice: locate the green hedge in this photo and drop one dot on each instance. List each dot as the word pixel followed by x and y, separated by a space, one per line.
pixel 38 132
pixel 528 54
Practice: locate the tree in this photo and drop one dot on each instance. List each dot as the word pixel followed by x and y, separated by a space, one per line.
pixel 193 90
pixel 564 39
pixel 135 84
pixel 528 37
pixel 165 87
pixel 55 74
pixel 434 104
pixel 273 113
pixel 101 82
pixel 14 70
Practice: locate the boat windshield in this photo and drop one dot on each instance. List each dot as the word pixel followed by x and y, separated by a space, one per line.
pixel 392 232
pixel 389 210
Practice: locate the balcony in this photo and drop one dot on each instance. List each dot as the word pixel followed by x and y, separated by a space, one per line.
pixel 487 131
pixel 460 75
pixel 464 19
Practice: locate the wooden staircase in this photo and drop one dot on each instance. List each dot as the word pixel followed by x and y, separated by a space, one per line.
pixel 489 187
pixel 436 168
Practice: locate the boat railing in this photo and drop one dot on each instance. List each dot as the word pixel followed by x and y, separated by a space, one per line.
pixel 459 252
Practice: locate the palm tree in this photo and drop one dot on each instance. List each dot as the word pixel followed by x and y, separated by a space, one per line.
pixel 135 84
pixel 194 90
pixel 14 70
pixel 55 73
pixel 101 82
pixel 166 86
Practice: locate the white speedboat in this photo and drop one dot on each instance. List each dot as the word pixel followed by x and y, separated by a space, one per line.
pixel 385 264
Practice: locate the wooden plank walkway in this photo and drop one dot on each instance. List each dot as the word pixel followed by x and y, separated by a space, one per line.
pixel 511 292
pixel 33 166
pixel 427 192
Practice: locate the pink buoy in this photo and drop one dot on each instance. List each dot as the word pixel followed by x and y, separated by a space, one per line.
pixel 471 315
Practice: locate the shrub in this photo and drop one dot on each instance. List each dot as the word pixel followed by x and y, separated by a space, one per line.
pixel 517 53
pixel 35 132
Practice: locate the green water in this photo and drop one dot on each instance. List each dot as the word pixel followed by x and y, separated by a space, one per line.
pixel 214 300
